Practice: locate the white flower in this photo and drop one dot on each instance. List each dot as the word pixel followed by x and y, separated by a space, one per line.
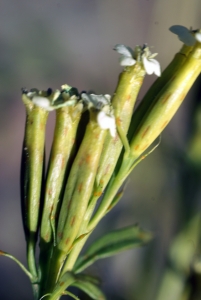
pixel 35 96
pixel 198 36
pixel 42 102
pixel 107 122
pixel 150 64
pixel 188 37
pixel 127 55
pixel 40 99
pixel 101 103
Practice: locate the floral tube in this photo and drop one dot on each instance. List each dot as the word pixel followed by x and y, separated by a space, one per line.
pixel 64 138
pixel 67 119
pixel 160 82
pixel 166 103
pixel 31 174
pixel 123 101
pixel 77 194
pixel 157 117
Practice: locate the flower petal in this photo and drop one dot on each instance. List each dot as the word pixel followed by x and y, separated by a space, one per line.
pixel 151 66
pixel 184 34
pixel 98 101
pixel 198 36
pixel 108 97
pixel 178 29
pixel 125 51
pixel 42 102
pixel 147 65
pixel 126 61
pixel 153 55
pixel 86 99
pixel 107 122
pixel 157 67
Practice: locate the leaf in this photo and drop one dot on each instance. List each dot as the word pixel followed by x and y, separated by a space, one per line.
pixel 111 244
pixel 6 254
pixel 88 286
pixel 66 280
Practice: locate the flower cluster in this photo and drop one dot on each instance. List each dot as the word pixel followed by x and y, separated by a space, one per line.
pixel 49 101
pixel 97 142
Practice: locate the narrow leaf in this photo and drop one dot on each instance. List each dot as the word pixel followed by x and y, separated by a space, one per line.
pixel 19 264
pixel 89 288
pixel 111 244
pixel 66 280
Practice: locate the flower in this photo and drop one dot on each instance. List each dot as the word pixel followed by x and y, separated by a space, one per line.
pixel 44 99
pixel 39 98
pixel 50 100
pixel 187 36
pixel 102 103
pixel 150 64
pixel 106 121
pixel 127 55
pixel 42 102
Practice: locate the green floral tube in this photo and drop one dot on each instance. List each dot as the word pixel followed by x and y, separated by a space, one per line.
pixel 160 82
pixel 123 101
pixel 77 194
pixel 80 184
pixel 166 103
pixel 31 174
pixel 67 119
pixel 157 117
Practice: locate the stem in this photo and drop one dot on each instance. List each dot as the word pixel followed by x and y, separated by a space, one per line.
pixel 31 243
pixel 55 266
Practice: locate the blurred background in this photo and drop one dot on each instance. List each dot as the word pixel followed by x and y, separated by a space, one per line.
pixel 48 43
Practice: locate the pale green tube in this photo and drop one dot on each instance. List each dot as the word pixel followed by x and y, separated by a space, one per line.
pixel 166 103
pixel 31 174
pixel 156 87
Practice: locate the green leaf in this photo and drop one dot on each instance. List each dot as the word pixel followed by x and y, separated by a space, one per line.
pixel 66 280
pixel 6 254
pixel 111 244
pixel 87 285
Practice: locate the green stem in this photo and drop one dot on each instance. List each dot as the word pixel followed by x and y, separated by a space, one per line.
pixel 54 270
pixel 31 244
pixel 67 119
